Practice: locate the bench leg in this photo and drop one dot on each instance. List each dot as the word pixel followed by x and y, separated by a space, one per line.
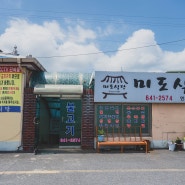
pixel 97 148
pixel 146 147
pixel 121 149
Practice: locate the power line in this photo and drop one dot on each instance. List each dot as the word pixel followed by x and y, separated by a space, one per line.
pixel 111 51
pixel 93 14
pixel 120 19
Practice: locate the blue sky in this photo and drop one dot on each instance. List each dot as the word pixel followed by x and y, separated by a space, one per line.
pixel 81 35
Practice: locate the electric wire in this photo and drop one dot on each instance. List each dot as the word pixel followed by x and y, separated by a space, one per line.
pixel 110 51
pixel 172 22
pixel 94 14
pixel 123 19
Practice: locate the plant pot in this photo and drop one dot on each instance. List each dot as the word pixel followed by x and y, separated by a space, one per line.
pixel 101 138
pixel 172 147
pixel 183 145
pixel 178 141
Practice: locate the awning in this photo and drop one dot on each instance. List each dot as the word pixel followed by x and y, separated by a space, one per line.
pixel 62 91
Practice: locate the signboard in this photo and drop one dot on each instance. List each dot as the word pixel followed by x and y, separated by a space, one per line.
pixel 108 115
pixel 70 129
pixel 115 116
pixel 136 115
pixel 10 89
pixel 139 87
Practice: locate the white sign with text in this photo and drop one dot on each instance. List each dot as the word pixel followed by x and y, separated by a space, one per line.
pixel 139 87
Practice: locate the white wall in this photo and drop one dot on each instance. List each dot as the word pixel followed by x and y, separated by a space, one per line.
pixel 10 131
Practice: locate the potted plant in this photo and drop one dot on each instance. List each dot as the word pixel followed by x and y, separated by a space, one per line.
pixel 178 140
pixel 171 145
pixel 183 142
pixel 179 144
pixel 101 135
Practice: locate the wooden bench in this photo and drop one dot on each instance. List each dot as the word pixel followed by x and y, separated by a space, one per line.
pixel 121 136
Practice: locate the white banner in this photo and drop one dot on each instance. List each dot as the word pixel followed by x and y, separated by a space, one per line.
pixel 139 87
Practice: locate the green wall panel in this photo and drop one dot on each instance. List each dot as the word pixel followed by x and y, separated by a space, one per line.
pixel 70 128
pixel 128 115
pixel 136 115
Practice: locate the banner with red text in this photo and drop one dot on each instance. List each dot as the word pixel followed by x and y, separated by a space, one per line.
pixel 10 89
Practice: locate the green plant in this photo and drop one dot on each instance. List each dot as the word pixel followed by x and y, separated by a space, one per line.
pixel 171 142
pixel 101 132
pixel 178 140
pixel 183 139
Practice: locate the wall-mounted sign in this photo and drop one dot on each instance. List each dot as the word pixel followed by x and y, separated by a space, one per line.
pixel 108 115
pixel 136 115
pixel 10 89
pixel 139 87
pixel 115 116
pixel 70 128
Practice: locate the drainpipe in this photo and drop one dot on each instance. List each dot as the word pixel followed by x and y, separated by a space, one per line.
pixel 19 65
pixel 22 71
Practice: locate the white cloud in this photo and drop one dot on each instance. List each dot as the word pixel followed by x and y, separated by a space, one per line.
pixel 174 61
pixel 138 54
pixel 51 39
pixel 79 34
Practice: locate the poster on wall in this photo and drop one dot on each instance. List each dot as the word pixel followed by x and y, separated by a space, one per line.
pixel 10 89
pixel 70 128
pixel 108 116
pixel 134 87
pixel 136 115
pixel 117 116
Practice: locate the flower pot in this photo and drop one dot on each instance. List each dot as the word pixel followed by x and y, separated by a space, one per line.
pixel 172 146
pixel 183 145
pixel 100 138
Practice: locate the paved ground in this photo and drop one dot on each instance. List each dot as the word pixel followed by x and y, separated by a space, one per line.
pixel 159 167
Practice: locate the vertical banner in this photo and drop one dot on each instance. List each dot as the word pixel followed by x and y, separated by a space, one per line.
pixel 70 128
pixel 10 89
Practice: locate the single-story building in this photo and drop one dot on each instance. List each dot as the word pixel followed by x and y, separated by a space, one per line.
pixel 42 109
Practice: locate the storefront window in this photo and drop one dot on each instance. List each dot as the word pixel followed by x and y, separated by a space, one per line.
pixel 128 115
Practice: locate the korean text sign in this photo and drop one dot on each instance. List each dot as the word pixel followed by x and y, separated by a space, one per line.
pixel 70 129
pixel 10 89
pixel 139 87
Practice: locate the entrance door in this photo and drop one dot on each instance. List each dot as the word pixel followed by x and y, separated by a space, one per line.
pixel 70 125
pixel 50 118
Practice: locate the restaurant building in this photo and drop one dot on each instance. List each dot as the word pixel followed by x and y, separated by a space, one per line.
pixel 39 109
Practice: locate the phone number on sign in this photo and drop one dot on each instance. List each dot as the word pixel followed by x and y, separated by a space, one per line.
pixel 159 98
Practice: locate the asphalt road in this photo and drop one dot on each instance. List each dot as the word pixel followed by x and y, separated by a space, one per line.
pixel 159 167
